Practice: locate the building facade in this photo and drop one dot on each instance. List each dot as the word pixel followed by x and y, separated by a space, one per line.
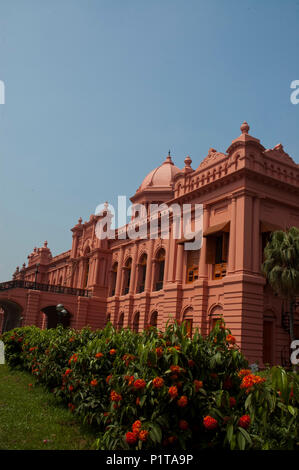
pixel 246 192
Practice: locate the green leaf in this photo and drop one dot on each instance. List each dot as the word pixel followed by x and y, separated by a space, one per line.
pixel 246 435
pixel 241 441
pixel 230 432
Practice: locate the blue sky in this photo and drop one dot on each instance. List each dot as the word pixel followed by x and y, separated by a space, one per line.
pixel 98 91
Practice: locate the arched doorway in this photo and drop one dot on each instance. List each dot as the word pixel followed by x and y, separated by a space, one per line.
pixel 53 319
pixel 12 317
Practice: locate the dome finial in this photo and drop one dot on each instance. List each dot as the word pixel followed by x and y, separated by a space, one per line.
pixel 245 128
pixel 188 162
pixel 168 158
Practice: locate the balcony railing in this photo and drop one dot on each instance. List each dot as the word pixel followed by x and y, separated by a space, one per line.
pixel 20 284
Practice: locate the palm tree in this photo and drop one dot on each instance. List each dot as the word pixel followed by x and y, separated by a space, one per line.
pixel 281 267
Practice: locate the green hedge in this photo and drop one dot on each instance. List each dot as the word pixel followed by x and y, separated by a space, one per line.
pixel 153 389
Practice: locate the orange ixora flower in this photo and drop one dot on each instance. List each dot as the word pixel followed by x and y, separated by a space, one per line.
pixel 67 372
pixel 177 369
pixel 244 372
pixel 139 384
pixel 250 380
pixel 71 340
pixel 173 391
pixel 158 382
pixel 244 421
pixel 159 352
pixel 112 352
pixel 198 384
pixel 136 426
pixel 210 423
pixel 231 339
pixel 143 435
pixel 183 401
pixel 131 437
pixel 114 396
pixel 108 378
pixel 99 354
pixel 94 383
pixel 129 379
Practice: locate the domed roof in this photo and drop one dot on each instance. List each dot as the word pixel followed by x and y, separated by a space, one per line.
pixel 160 177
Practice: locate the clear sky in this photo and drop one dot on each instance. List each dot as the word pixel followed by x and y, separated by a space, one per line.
pixel 98 91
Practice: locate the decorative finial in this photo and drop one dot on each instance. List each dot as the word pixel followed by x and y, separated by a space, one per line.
pixel 244 128
pixel 168 158
pixel 45 244
pixel 188 161
pixel 80 221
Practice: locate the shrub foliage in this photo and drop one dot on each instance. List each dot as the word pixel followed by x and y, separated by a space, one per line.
pixel 155 389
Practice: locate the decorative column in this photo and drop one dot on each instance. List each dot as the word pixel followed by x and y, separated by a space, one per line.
pixel 179 266
pixel 119 272
pixel 232 237
pixel 132 289
pixel 149 267
pixel 256 252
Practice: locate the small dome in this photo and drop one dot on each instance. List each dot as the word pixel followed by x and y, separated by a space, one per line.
pixel 162 176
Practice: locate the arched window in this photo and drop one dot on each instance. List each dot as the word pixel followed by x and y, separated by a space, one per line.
pixel 154 319
pixel 188 320
pixel 215 315
pixel 120 323
pixel 113 279
pixel 127 276
pixel 159 272
pixel 136 322
pixel 141 274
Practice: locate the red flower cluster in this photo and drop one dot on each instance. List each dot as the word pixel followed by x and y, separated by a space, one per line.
pixel 183 401
pixel 231 339
pixel 112 352
pixel 128 358
pixel 244 372
pixel 159 352
pixel 244 421
pixel 99 354
pixel 173 391
pixel 108 378
pixel 198 384
pixel 139 384
pixel 114 396
pixel 129 379
pixel 71 407
pixel 74 358
pixel 250 380
pixel 210 423
pixel 136 433
pixel 158 382
pixel 94 383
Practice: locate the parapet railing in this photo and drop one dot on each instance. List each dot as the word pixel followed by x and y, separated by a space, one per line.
pixel 18 283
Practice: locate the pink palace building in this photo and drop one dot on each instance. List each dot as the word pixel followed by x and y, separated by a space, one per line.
pixel 246 193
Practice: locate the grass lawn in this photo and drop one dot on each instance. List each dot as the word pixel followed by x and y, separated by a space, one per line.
pixel 30 415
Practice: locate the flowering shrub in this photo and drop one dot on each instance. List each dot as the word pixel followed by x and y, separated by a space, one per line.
pixel 153 389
